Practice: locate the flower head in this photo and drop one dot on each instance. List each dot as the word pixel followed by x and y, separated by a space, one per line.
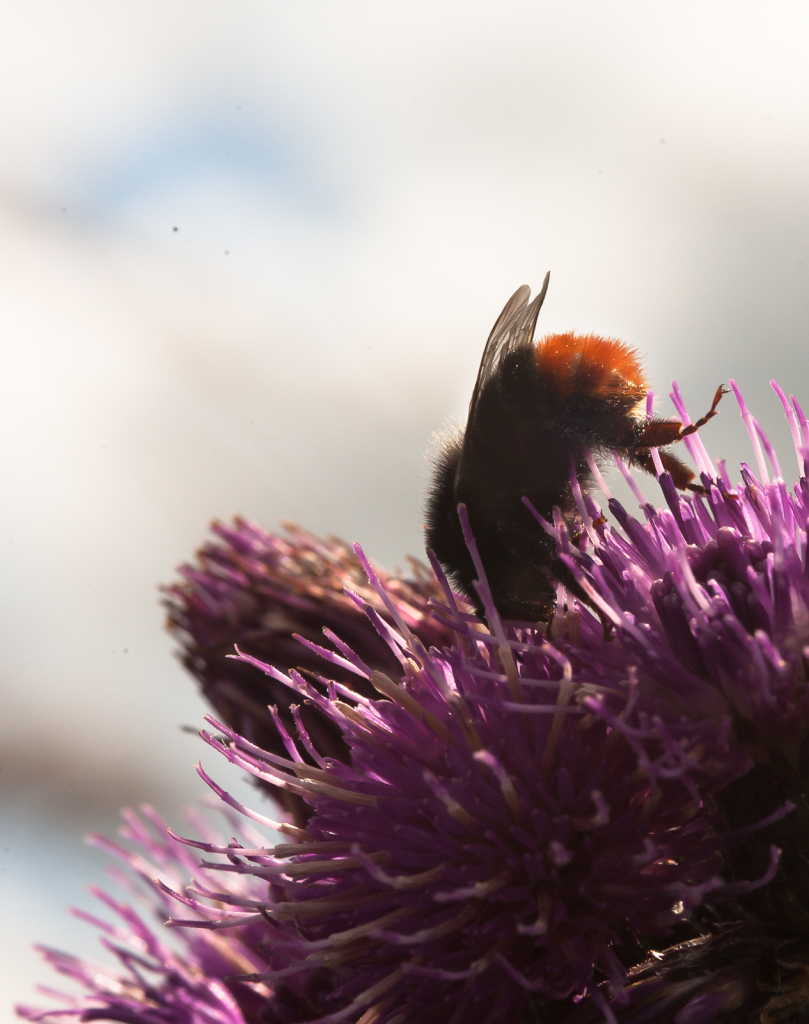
pixel 260 591
pixel 712 594
pixel 498 831
pixel 156 982
pixel 503 819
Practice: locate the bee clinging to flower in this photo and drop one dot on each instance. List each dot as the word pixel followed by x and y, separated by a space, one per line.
pixel 537 411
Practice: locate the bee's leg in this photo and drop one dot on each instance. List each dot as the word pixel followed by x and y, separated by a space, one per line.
pixel 657 432
pixel 692 428
pixel 680 473
pixel 606 625
pixel 562 573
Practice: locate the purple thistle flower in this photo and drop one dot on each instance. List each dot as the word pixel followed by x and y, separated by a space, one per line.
pixel 511 823
pixel 258 591
pixel 155 982
pixel 485 846
pixel 718 582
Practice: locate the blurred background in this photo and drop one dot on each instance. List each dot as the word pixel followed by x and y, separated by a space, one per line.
pixel 250 254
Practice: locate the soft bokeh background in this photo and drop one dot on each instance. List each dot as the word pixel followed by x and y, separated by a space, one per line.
pixel 250 254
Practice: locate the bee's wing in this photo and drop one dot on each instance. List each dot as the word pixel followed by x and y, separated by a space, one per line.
pixel 514 329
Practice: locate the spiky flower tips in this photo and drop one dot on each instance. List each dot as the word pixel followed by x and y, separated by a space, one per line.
pixel 495 825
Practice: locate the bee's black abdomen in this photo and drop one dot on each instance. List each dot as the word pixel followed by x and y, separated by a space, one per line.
pixel 444 535
pixel 504 455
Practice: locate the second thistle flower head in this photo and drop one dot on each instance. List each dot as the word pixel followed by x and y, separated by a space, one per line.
pixel 710 596
pixel 261 591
